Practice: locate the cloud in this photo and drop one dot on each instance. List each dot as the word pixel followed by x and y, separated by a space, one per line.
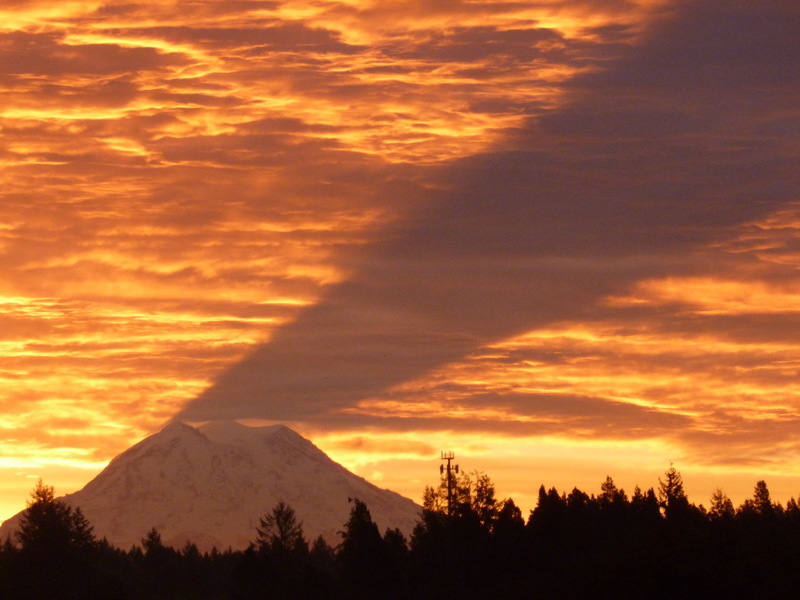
pixel 45 55
pixel 549 219
pixel 628 177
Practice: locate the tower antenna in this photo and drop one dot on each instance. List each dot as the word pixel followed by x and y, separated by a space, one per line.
pixel 450 478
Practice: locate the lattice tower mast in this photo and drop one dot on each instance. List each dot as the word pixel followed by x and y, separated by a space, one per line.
pixel 450 478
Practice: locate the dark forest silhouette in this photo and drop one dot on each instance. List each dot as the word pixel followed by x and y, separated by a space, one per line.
pixel 466 544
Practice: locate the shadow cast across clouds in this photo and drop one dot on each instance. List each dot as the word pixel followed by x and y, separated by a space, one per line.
pixel 636 174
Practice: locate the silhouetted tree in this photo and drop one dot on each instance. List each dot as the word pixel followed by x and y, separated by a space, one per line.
pixel 610 494
pixel 283 552
pixel 509 523
pixel 396 546
pixel 8 555
pixel 49 523
pixel 152 544
pixel 56 549
pixel 322 556
pixel 361 555
pixel 461 541
pixel 158 565
pixel 482 499
pixel 550 511
pixel 436 499
pixel 574 545
pixel 721 506
pixel 762 503
pixel 671 495
pixel 280 532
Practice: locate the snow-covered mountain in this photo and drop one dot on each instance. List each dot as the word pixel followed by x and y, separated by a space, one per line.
pixel 211 485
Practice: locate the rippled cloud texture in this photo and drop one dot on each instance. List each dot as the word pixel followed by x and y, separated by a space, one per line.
pixel 561 238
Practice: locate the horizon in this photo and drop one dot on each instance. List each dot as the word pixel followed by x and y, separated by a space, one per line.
pixel 558 238
pixel 521 500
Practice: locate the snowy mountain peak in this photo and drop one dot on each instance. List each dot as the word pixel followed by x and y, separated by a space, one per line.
pixel 227 431
pixel 211 485
pixel 177 428
pixel 232 432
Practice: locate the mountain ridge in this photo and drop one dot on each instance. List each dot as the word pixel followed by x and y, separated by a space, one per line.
pixel 210 485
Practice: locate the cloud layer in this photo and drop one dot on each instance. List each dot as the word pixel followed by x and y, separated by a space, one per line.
pixel 542 220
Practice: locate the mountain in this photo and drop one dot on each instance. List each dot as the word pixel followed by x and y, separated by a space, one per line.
pixel 211 485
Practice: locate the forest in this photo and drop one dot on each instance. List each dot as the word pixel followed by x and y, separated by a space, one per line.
pixel 466 544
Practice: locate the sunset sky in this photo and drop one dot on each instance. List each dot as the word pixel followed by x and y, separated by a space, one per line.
pixel 558 237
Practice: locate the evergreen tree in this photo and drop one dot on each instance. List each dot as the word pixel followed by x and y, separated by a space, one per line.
pixel 8 555
pixel 671 495
pixel 56 549
pixel 610 494
pixel 159 566
pixel 361 540
pixel 509 523
pixel 762 503
pixel 322 556
pixel 50 523
pixel 152 544
pixel 280 532
pixel 282 552
pixel 721 506
pixel 362 557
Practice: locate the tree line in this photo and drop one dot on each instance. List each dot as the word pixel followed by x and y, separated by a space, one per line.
pixel 466 544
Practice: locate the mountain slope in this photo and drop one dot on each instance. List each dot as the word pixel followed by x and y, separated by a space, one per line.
pixel 211 485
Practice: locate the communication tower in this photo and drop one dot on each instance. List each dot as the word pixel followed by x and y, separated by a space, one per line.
pixel 449 478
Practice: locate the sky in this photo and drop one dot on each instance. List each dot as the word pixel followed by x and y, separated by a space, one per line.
pixel 559 238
